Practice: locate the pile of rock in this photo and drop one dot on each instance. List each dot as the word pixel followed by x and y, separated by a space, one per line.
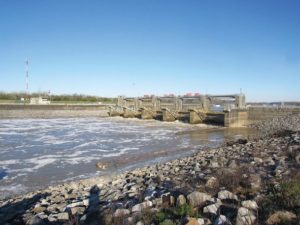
pixel 290 122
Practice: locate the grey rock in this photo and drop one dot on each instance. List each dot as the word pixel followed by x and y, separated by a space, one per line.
pixel 42 216
pixel 77 210
pixel 35 220
pixel 212 183
pixel 245 217
pixel 214 200
pixel 258 160
pixel 197 198
pixel 232 164
pixel 250 205
pixel 212 209
pixel 52 218
pixel 75 204
pixel 227 195
pixel 255 181
pixel 297 158
pixel 142 206
pixel 62 216
pixel 128 221
pixel 39 209
pixel 157 202
pixel 222 220
pixel 181 200
pixel 281 217
pixel 201 221
pixel 121 212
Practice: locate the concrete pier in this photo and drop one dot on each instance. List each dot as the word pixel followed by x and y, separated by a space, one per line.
pixel 168 116
pixel 196 116
pixel 130 113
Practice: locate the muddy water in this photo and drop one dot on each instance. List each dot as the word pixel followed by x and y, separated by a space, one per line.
pixel 39 152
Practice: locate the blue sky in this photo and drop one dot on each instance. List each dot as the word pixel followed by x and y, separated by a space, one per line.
pixel 136 47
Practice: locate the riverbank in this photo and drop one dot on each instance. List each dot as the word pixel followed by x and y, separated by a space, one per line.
pixel 21 111
pixel 242 182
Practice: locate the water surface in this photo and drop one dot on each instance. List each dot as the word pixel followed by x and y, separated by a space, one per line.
pixel 38 152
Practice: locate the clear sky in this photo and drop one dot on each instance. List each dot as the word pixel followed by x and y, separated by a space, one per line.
pixel 136 47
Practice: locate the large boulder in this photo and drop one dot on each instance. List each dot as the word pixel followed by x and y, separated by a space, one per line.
pixel 35 220
pixel 245 216
pixel 212 183
pixel 198 198
pixel 121 212
pixel 252 205
pixel 212 209
pixel 63 216
pixel 281 217
pixel 227 195
pixel 222 220
pixel 142 206
pixel 255 181
pixel 194 221
pixel 181 200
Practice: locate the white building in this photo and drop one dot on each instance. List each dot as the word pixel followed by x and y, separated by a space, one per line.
pixel 39 101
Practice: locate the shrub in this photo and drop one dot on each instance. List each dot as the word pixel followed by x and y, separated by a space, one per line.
pixel 175 214
pixel 185 210
pixel 290 194
pixel 286 197
pixel 232 179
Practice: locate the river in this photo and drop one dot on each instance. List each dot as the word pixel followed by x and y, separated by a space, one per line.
pixel 35 153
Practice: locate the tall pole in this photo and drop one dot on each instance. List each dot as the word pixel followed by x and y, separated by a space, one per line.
pixel 27 76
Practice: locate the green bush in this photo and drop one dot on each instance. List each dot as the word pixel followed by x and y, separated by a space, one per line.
pixel 185 210
pixel 286 197
pixel 175 214
pixel 167 222
pixel 290 194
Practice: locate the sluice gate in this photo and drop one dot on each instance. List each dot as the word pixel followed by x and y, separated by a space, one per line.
pixel 192 109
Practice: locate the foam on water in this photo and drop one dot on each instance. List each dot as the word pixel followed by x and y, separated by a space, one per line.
pixel 38 152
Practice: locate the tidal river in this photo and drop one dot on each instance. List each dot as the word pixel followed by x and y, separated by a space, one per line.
pixel 35 153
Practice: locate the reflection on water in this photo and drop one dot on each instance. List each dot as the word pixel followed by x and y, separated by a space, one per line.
pixel 39 152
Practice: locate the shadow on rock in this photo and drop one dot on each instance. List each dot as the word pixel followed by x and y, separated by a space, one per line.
pixel 13 212
pixel 92 213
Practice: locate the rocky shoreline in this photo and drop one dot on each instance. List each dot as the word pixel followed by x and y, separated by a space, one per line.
pixel 242 182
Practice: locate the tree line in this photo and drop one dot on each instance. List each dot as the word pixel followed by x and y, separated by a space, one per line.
pixel 15 96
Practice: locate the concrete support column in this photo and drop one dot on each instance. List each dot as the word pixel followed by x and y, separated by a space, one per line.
pixel 128 113
pixel 167 116
pixel 205 103
pixel 154 102
pixel 194 117
pixel 236 118
pixel 146 115
pixel 120 101
pixel 240 101
pixel 158 104
pixel 137 104
pixel 178 104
